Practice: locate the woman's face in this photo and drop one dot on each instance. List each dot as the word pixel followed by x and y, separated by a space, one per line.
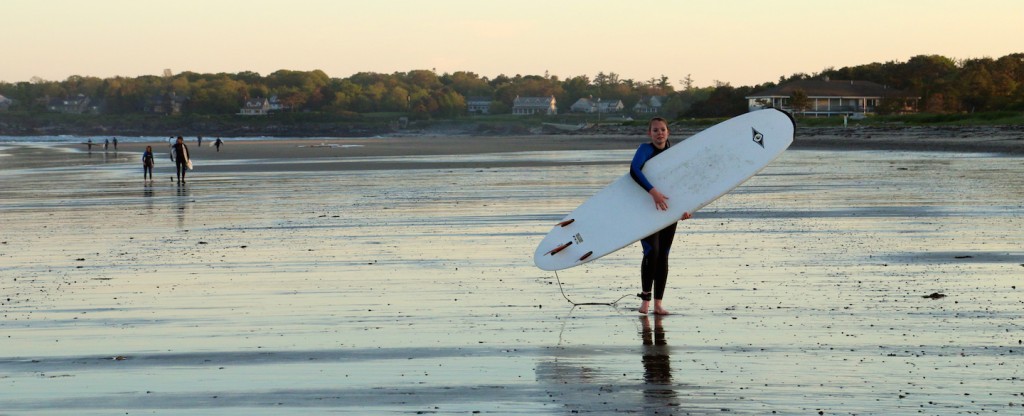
pixel 658 133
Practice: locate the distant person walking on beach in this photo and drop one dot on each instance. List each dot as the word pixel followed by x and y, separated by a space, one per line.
pixel 199 141
pixel 115 144
pixel 106 144
pixel 218 143
pixel 654 269
pixel 182 163
pixel 148 162
pixel 89 145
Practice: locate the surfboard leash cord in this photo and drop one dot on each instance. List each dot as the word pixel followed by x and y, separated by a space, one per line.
pixel 560 289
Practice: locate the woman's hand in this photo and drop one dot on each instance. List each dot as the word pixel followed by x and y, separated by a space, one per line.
pixel 686 216
pixel 660 200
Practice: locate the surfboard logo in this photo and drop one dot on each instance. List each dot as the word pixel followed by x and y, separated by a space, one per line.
pixel 758 137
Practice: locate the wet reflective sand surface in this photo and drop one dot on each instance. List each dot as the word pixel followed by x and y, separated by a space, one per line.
pixel 861 282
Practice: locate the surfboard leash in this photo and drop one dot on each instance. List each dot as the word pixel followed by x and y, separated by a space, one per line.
pixel 584 303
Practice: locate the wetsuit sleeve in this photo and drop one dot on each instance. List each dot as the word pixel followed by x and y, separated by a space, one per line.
pixel 643 154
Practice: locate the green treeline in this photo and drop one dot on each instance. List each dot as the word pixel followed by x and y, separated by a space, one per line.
pixel 945 86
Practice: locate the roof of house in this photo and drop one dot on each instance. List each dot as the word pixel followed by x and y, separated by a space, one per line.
pixel 256 102
pixel 831 88
pixel 533 101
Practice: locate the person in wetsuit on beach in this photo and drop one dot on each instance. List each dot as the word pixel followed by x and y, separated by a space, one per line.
pixel 147 163
pixel 654 269
pixel 181 156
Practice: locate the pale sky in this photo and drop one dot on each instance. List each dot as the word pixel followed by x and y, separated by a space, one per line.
pixel 742 42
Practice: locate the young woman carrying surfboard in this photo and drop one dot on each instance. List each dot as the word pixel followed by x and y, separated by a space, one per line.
pixel 654 268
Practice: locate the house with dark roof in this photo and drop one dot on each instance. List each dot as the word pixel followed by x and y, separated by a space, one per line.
pixel 590 105
pixel 78 104
pixel 534 105
pixel 166 103
pixel 478 105
pixel 825 97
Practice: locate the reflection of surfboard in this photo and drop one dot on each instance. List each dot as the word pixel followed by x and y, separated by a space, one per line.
pixel 692 173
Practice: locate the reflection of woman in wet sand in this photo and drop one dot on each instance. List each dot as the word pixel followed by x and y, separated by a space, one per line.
pixel 656 359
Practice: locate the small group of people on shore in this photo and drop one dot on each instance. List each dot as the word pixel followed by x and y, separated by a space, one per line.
pixel 179 154
pixel 106 144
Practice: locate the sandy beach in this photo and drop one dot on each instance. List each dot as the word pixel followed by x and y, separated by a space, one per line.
pixel 864 272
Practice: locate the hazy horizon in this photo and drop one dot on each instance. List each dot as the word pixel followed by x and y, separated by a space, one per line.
pixel 739 42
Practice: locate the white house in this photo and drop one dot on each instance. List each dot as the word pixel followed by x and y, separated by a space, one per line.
pixel 5 103
pixel 610 106
pixel 534 105
pixel 649 105
pixel 829 97
pixel 583 105
pixel 256 107
pixel 589 105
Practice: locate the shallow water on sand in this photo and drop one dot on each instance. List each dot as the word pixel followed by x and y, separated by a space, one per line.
pixel 413 290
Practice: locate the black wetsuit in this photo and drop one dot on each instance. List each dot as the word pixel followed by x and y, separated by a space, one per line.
pixel 181 160
pixel 147 164
pixel 654 269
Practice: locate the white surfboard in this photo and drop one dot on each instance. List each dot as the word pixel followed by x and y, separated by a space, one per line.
pixel 692 173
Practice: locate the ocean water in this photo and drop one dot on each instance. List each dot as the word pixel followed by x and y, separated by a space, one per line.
pixel 396 291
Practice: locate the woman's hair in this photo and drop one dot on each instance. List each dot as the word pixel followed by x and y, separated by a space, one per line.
pixel 149 148
pixel 650 123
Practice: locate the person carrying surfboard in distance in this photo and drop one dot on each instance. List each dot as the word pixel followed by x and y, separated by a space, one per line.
pixel 654 268
pixel 180 155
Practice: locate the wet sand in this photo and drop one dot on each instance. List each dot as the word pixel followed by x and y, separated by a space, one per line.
pixel 394 276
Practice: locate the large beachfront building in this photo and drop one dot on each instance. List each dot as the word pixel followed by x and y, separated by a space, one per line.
pixel 824 97
pixel 534 105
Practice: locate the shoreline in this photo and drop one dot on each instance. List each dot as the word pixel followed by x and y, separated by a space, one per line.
pixel 974 139
pixel 444 151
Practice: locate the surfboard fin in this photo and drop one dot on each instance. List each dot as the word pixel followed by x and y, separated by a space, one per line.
pixel 585 256
pixel 560 248
pixel 566 222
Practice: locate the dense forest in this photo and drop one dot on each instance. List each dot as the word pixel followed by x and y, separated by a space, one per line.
pixel 944 85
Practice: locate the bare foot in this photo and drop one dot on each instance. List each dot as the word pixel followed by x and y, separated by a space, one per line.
pixel 658 310
pixel 643 307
